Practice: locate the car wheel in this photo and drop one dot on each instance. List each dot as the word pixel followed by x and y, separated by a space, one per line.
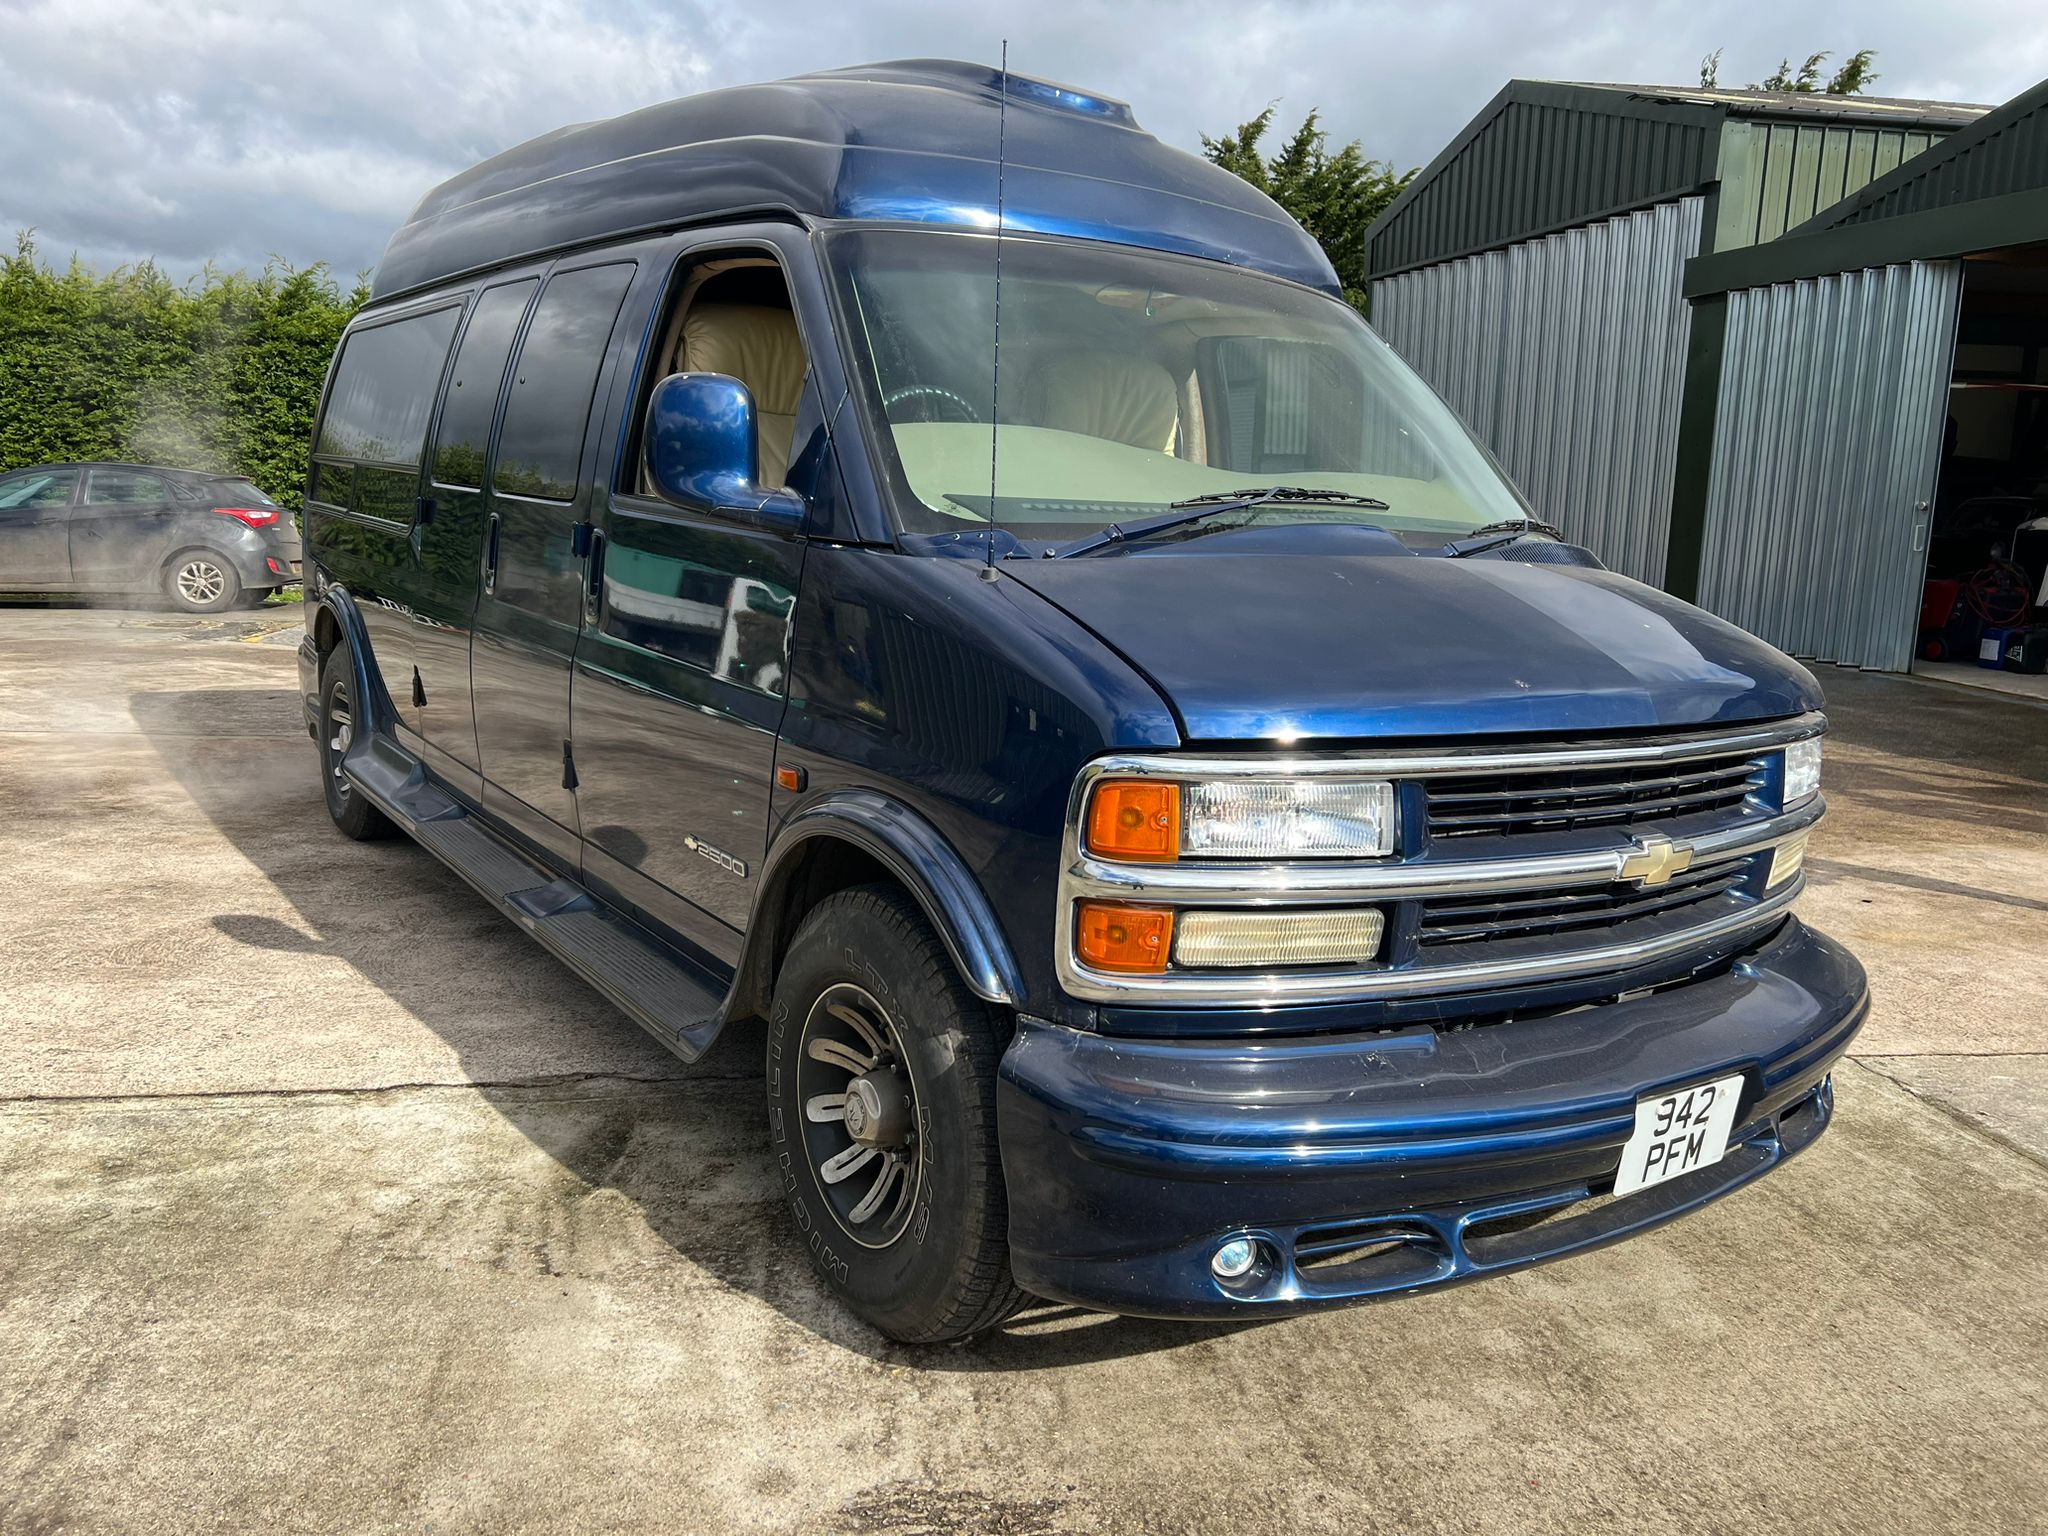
pixel 882 1117
pixel 352 813
pixel 201 581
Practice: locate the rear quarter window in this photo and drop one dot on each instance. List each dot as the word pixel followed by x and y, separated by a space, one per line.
pixel 384 387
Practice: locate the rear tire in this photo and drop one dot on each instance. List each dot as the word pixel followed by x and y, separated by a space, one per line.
pixel 201 581
pixel 903 1211
pixel 352 813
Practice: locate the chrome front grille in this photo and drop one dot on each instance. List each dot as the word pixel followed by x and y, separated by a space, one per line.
pixel 1516 866
pixel 1566 799
pixel 1449 921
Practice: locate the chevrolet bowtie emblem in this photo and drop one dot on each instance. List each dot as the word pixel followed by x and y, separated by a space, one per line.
pixel 1655 859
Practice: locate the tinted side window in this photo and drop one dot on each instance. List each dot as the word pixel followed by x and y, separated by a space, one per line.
pixel 384 388
pixel 44 488
pixel 540 446
pixel 464 438
pixel 125 487
pixel 333 484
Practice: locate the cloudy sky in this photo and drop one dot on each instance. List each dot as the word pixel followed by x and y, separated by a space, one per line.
pixel 191 132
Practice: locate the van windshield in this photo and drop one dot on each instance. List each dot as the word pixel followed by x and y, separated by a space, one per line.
pixel 1131 381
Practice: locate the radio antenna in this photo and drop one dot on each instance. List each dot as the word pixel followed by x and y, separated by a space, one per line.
pixel 995 380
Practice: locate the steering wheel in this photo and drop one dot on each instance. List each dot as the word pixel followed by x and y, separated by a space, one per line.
pixel 945 399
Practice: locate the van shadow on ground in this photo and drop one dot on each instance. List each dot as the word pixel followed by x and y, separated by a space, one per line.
pixel 686 1145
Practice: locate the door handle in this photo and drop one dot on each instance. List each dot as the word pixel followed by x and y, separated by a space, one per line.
pixel 593 584
pixel 422 514
pixel 491 555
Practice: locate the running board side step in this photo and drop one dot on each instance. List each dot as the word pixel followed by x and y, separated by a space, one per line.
pixel 679 1003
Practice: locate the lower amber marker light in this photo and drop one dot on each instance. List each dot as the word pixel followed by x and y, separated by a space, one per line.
pixel 1110 936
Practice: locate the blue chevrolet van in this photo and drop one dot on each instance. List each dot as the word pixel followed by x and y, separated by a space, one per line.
pixel 903 555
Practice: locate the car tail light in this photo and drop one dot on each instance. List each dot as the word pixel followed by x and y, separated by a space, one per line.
pixel 255 517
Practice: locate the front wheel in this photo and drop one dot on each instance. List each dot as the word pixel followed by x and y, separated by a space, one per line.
pixel 882 1117
pixel 202 581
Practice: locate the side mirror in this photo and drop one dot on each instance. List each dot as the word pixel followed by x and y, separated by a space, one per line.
pixel 702 453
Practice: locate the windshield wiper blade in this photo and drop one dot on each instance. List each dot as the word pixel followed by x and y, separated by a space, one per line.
pixel 1195 508
pixel 1264 493
pixel 1493 535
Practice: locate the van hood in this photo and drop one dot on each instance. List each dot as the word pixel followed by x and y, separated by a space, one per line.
pixel 1262 647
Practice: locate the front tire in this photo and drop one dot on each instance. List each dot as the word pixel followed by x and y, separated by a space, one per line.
pixel 340 718
pixel 881 1078
pixel 201 581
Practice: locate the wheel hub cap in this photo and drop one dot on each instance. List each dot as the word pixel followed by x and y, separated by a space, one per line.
pixel 878 1109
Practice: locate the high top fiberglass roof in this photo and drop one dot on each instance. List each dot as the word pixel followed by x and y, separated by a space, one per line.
pixel 911 141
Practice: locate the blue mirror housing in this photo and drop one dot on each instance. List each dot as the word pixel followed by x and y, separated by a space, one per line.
pixel 702 453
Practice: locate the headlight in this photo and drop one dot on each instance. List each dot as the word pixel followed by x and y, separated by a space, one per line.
pixel 1802 771
pixel 1154 820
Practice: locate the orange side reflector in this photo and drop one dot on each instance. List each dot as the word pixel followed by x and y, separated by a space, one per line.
pixel 790 778
pixel 1135 819
pixel 1110 937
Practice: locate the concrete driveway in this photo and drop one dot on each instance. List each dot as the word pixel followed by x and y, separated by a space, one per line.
pixel 333 1204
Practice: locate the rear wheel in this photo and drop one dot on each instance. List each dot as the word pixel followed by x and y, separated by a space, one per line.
pixel 881 1111
pixel 353 814
pixel 201 581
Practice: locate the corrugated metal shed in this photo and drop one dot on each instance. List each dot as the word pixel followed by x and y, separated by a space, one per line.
pixel 1566 355
pixel 1548 155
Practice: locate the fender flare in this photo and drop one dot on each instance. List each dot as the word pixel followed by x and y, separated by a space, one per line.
pixel 912 850
pixel 374 706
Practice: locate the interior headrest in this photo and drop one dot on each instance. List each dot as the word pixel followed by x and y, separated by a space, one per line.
pixel 756 343
pixel 1107 394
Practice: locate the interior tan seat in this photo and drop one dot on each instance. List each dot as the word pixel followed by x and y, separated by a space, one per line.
pixel 759 346
pixel 1106 394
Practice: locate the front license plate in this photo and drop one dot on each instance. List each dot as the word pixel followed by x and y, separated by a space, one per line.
pixel 1678 1133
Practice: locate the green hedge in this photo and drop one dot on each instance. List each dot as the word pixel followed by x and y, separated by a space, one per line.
pixel 222 373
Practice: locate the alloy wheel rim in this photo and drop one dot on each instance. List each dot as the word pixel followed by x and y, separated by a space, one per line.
pixel 341 730
pixel 201 581
pixel 861 1127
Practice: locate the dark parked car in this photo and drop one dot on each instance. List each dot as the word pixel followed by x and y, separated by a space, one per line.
pixel 206 542
pixel 1199 848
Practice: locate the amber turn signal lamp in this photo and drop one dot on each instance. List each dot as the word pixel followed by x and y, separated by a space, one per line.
pixel 1111 937
pixel 1135 819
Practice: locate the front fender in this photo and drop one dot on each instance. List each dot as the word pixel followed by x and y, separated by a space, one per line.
pixel 912 850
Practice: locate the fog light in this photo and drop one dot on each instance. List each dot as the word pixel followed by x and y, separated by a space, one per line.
pixel 1786 861
pixel 1235 1259
pixel 1278 938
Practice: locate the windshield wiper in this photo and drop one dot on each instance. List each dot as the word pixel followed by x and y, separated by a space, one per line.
pixel 1493 535
pixel 1195 508
pixel 1263 493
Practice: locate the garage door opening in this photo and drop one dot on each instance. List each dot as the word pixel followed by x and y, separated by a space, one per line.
pixel 1984 607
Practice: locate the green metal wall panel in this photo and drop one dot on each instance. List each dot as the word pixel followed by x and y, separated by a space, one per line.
pixel 2002 153
pixel 1776 176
